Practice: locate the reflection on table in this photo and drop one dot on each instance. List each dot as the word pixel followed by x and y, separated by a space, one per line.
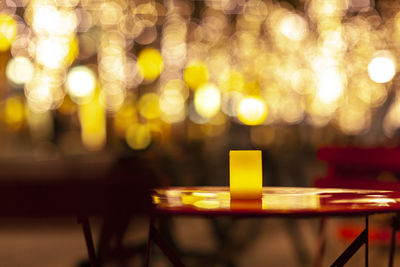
pixel 275 201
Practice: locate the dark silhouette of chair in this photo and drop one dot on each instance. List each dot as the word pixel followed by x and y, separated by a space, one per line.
pixel 127 193
pixel 359 168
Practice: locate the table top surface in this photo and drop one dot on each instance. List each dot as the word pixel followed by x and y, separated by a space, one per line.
pixel 276 201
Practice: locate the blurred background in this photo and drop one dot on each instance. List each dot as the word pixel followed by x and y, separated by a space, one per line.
pixel 178 84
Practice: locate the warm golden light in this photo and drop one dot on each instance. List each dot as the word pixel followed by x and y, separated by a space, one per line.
pixel 47 19
pixel 255 62
pixel 149 106
pixel 207 100
pixel 354 118
pixel 252 110
pixel 381 69
pixel 150 63
pixel 330 85
pixel 138 136
pixel 207 204
pixel 19 70
pixel 195 74
pixel 81 83
pixel 172 105
pixel 289 201
pixel 93 124
pixel 231 81
pixel 293 27
pixel 14 111
pixel 52 53
pixel 8 31
pixel 245 174
pixel 125 116
pixel 39 95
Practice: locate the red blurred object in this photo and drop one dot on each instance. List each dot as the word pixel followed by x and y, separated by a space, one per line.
pixel 363 168
pixel 378 236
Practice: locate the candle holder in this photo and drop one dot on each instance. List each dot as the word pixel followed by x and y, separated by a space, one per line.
pixel 245 174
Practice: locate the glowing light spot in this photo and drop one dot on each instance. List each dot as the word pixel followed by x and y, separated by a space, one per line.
pixel 149 106
pixel 14 111
pixel 330 85
pixel 47 19
pixel 207 204
pixel 51 52
pixel 125 116
pixel 41 93
pixel 172 106
pixel 171 102
pixel 252 111
pixel 146 13
pixel 8 31
pixel 113 98
pixel 92 117
pixel 381 69
pixel 177 85
pixel 354 119
pixel 111 13
pixel 39 96
pixel 204 194
pixel 44 18
pixel 291 110
pixel 293 27
pixel 195 74
pixel 150 63
pixel 230 102
pixel 81 83
pixel 138 136
pixel 73 50
pixel 19 70
pixel 231 81
pixel 207 100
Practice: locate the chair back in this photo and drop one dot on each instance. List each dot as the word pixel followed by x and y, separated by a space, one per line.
pixel 360 168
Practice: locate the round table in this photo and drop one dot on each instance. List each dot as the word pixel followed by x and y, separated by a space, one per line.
pixel 275 201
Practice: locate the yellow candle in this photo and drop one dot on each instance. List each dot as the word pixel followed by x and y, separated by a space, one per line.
pixel 245 169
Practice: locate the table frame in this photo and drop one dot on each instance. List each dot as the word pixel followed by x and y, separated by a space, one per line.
pixel 362 239
pixel 87 232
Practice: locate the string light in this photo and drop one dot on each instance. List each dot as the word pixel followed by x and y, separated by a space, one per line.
pixel 256 62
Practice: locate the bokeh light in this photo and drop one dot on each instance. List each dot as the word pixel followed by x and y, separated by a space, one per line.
pixel 150 63
pixel 200 67
pixel 149 106
pixel 52 53
pixel 195 74
pixel 14 111
pixel 207 100
pixel 252 110
pixel 92 117
pixel 8 31
pixel 138 136
pixel 330 85
pixel 381 69
pixel 81 83
pixel 19 70
pixel 293 27
pixel 172 106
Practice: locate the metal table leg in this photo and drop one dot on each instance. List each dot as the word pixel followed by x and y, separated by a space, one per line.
pixel 321 242
pixel 354 247
pixel 155 235
pixel 395 228
pixel 84 221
